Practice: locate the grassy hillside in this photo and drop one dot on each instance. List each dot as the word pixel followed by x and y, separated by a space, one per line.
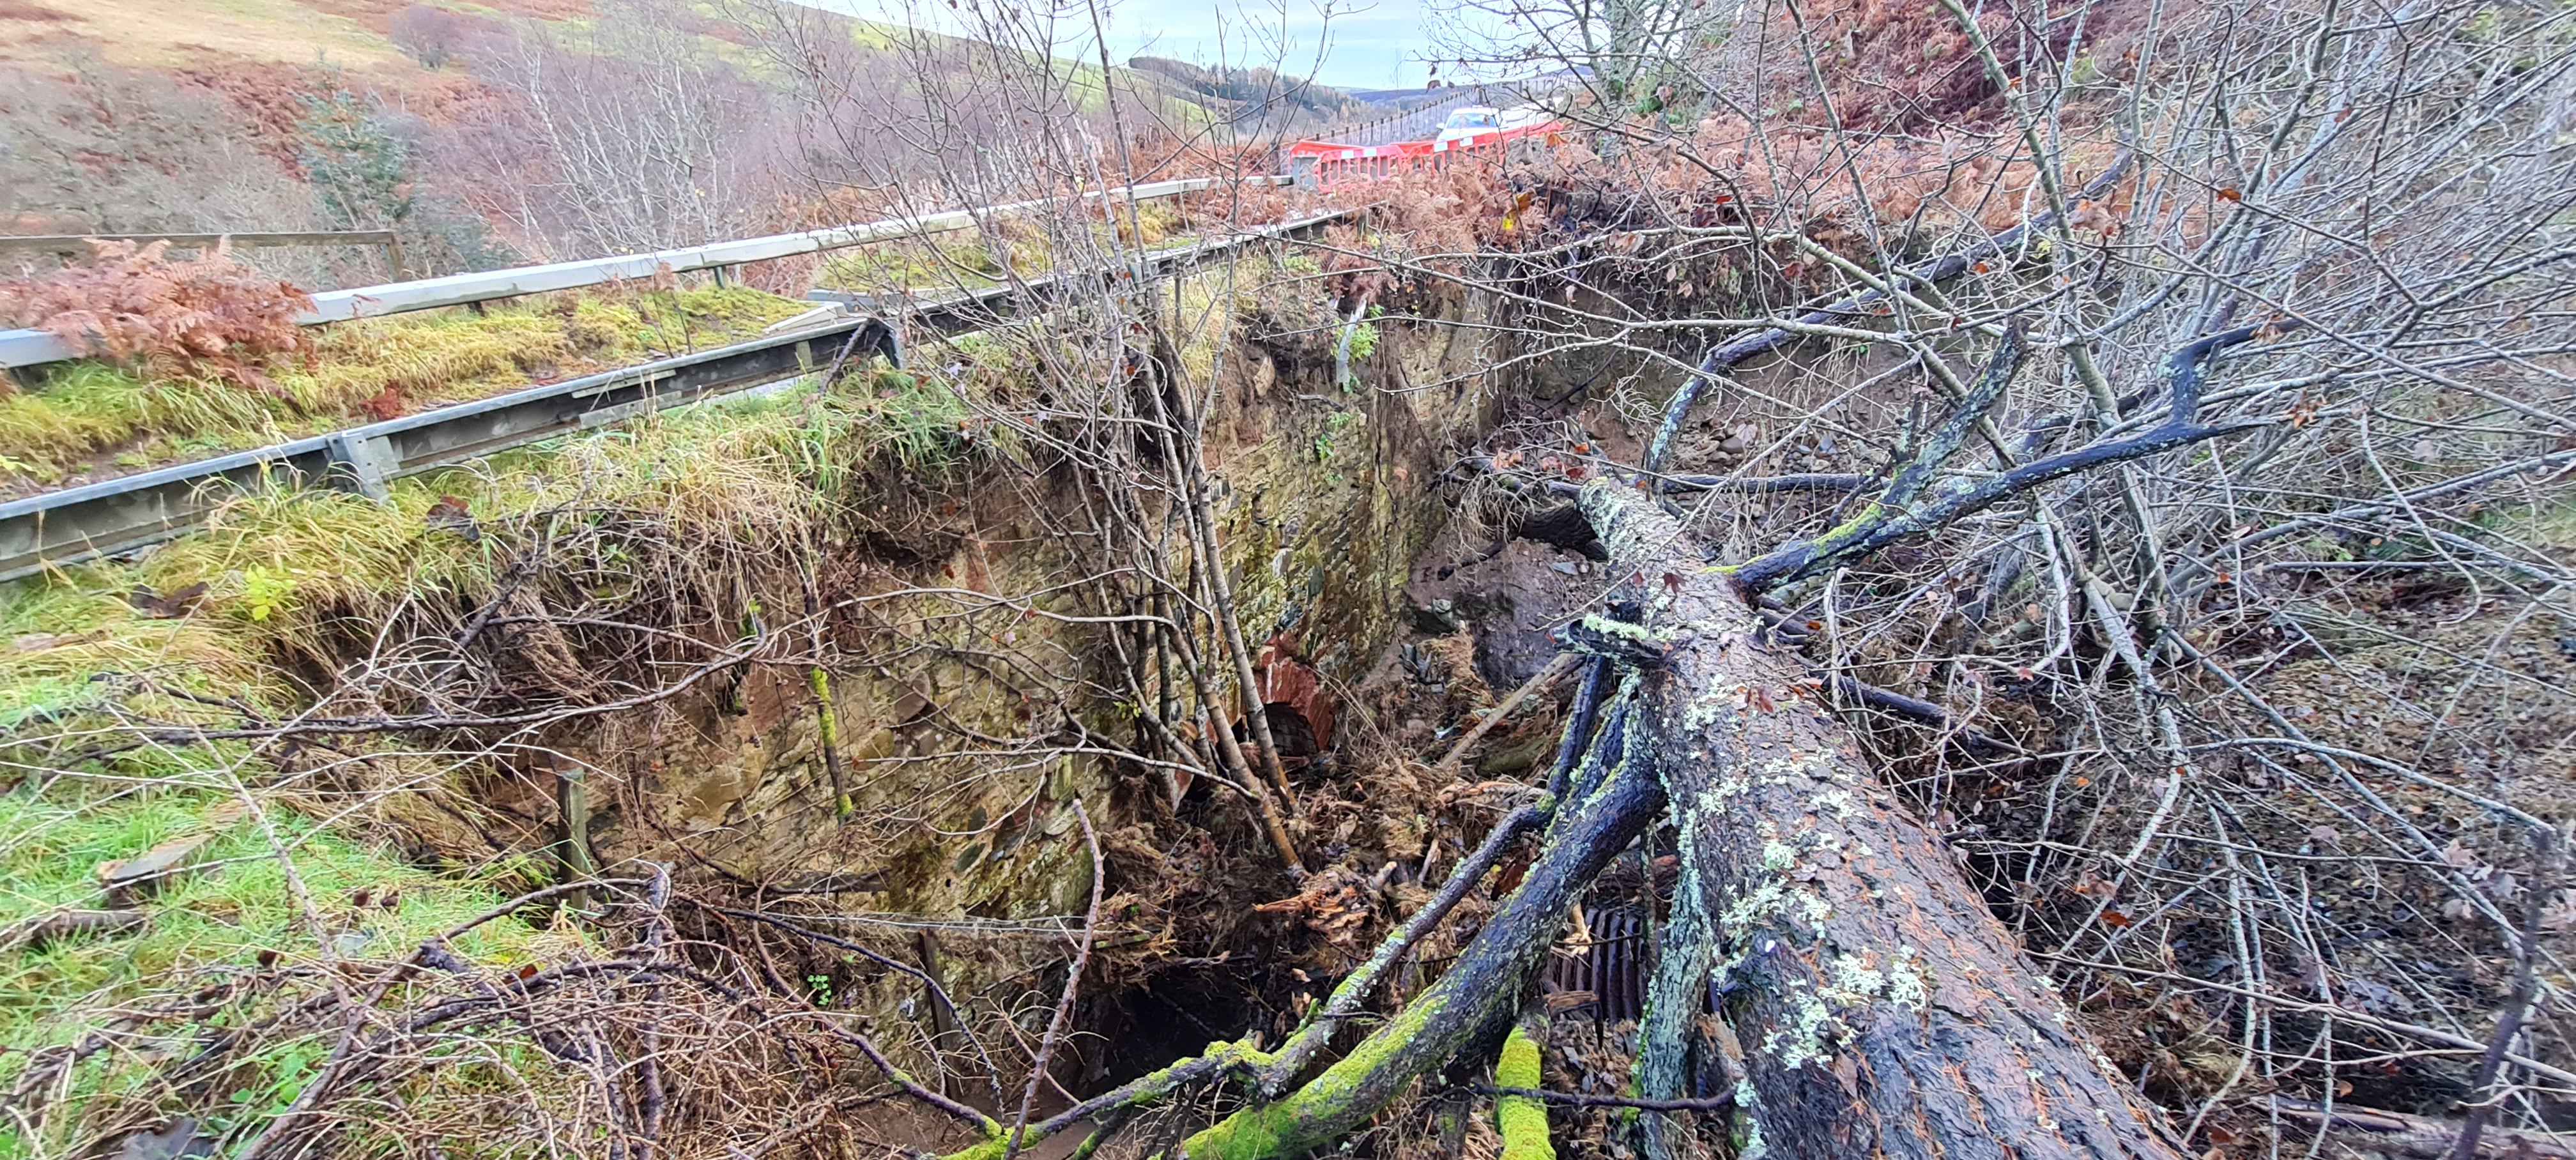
pixel 143 33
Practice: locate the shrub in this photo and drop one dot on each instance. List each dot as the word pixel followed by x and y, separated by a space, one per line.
pixel 132 302
pixel 431 35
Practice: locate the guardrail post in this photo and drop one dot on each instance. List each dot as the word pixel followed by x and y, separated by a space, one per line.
pixel 363 464
pixel 887 340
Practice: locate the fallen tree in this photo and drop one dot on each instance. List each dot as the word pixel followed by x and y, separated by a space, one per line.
pixel 1877 1006
pixel 1880 1007
pixel 1871 1001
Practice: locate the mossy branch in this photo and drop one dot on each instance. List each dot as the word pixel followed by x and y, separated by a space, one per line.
pixel 1522 1119
pixel 1485 981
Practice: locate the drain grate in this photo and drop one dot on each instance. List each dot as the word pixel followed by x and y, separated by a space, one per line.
pixel 1608 980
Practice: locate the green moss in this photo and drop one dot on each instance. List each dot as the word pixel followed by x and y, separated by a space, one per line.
pixel 990 1149
pixel 827 729
pixel 951 261
pixel 1523 1120
pixel 1850 529
pixel 995 1143
pixel 1319 1112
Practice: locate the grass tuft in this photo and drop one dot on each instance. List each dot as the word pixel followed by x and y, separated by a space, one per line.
pixel 89 411
pixel 235 932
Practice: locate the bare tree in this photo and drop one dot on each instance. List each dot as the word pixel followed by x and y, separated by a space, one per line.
pixel 648 138
pixel 433 36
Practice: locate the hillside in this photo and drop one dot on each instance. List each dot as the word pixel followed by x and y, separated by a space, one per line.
pixel 139 33
pixel 483 135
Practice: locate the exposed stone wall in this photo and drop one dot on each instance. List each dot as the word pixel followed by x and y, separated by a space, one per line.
pixel 1326 496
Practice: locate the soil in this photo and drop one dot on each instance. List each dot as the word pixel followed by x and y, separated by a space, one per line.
pixel 1509 602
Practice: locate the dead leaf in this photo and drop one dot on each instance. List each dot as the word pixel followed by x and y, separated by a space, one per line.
pixel 169 607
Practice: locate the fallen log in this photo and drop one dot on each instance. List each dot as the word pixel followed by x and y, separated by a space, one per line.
pixel 2372 1131
pixel 1877 1008
pixel 1881 1008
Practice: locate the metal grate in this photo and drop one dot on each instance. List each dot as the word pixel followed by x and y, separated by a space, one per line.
pixel 1613 971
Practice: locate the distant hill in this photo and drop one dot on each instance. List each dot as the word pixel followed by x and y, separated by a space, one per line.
pixel 1256 96
pixel 487 132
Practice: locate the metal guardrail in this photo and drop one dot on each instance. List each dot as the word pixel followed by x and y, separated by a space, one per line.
pixel 1423 122
pixel 1413 125
pixel 122 514
pixel 129 512
pixel 79 243
pixel 19 348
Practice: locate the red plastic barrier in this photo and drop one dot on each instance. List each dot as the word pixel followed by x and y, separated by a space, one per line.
pixel 1335 164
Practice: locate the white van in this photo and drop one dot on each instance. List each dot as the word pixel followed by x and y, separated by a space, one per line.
pixel 1470 121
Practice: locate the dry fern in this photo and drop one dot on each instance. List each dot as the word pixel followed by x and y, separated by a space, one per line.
pixel 132 302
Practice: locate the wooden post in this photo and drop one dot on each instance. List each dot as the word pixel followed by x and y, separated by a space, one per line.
pixel 572 794
pixel 942 1020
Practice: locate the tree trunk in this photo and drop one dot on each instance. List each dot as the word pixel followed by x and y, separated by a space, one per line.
pixel 1878 1010
pixel 1882 1009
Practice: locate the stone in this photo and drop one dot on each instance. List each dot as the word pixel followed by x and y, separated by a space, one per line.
pixel 128 880
pixel 177 1140
pixel 61 924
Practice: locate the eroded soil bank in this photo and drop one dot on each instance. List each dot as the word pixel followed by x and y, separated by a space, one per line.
pixel 843 694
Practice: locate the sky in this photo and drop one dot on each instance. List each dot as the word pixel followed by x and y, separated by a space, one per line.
pixel 1353 44
pixel 1374 44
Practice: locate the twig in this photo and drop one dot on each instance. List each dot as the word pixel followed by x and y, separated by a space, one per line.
pixel 1895 520
pixel 1728 355
pixel 2517 1007
pixel 1072 985
pixel 2396 1134
pixel 1547 674
pixel 1920 710
pixel 941 994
